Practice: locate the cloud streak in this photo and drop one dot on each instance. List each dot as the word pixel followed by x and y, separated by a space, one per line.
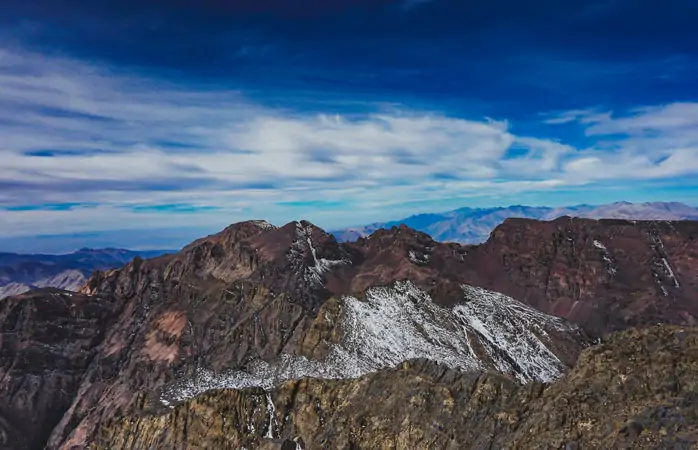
pixel 149 151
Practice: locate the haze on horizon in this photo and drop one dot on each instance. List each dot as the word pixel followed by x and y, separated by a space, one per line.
pixel 149 119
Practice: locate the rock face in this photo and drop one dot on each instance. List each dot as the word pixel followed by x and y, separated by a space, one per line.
pixel 48 340
pixel 637 390
pixel 256 307
pixel 605 275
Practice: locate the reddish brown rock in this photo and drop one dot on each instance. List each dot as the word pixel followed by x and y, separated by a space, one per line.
pixel 606 275
pixel 254 292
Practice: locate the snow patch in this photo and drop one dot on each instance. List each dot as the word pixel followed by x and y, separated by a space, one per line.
pixel 263 224
pixel 394 324
pixel 599 245
pixel 610 264
pixel 659 247
pixel 513 334
pixel 418 259
pixel 271 411
pixel 313 274
pixel 670 272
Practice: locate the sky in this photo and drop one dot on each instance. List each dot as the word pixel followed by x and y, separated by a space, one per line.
pixel 147 123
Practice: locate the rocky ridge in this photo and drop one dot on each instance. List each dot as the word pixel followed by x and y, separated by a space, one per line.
pixel 256 303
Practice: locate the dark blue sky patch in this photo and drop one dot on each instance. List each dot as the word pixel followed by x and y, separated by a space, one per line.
pixel 177 145
pixel 544 54
pixel 323 156
pixel 517 151
pixel 444 176
pixel 69 114
pixel 408 158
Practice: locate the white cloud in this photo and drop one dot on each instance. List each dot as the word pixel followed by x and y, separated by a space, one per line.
pixel 667 119
pixel 590 115
pixel 123 141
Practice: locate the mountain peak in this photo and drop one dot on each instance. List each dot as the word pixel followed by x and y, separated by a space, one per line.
pixel 399 233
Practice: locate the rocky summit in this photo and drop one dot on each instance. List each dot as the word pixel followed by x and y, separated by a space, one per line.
pixel 269 337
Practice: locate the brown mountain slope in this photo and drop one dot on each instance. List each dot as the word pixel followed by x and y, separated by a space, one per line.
pixel 606 275
pixel 637 390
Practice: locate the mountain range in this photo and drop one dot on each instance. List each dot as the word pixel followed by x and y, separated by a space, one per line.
pixel 571 333
pixel 20 273
pixel 473 225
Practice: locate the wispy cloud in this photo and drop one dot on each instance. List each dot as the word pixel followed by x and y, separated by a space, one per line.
pixel 141 150
pixel 576 115
pixel 658 142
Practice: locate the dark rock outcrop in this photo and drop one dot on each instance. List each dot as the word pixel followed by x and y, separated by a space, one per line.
pixel 48 343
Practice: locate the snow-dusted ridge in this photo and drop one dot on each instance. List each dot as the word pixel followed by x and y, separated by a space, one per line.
pixel 313 274
pixel 263 224
pixel 394 324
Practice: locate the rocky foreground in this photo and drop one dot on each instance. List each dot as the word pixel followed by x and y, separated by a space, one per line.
pixel 638 390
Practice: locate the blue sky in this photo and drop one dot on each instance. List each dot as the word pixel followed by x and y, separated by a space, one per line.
pixel 185 116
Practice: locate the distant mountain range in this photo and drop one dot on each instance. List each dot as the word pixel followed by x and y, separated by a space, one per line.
pixel 20 273
pixel 473 225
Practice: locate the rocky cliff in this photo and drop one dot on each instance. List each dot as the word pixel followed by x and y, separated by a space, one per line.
pixel 48 342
